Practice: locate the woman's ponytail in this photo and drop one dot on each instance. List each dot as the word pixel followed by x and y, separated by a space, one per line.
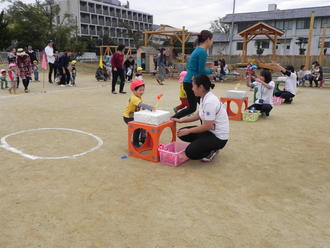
pixel 205 81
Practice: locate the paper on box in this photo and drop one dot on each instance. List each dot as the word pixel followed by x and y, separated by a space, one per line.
pixel 157 117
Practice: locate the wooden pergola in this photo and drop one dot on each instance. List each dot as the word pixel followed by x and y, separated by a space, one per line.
pixel 183 35
pixel 260 28
pixel 110 50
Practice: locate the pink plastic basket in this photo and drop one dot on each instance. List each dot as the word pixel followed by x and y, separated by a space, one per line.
pixel 277 100
pixel 173 154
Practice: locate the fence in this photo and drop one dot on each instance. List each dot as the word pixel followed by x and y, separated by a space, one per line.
pixel 4 60
pixel 295 60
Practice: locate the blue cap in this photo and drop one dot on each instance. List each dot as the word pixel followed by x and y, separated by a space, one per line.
pixel 254 67
pixel 50 41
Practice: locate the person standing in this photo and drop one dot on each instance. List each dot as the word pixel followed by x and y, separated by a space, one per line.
pixel 49 50
pixel 63 68
pixel 161 67
pixel 24 67
pixel 129 68
pixel 12 57
pixel 196 67
pixel 32 54
pixel 117 62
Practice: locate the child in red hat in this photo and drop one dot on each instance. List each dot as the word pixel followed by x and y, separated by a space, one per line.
pixel 135 104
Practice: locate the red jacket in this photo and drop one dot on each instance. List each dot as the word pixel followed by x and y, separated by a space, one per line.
pixel 117 61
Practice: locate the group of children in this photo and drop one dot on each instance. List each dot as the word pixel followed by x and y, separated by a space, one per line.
pixel 265 87
pixel 314 75
pixel 12 75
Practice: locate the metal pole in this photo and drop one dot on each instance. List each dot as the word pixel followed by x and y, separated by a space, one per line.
pixel 231 33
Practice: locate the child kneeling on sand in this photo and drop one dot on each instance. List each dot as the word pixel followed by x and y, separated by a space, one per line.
pixel 265 87
pixel 290 84
pixel 135 104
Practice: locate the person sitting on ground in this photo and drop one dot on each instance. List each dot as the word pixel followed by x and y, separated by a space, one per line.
pixel 205 140
pixel 317 75
pixel 290 84
pixel 265 87
pixel 135 104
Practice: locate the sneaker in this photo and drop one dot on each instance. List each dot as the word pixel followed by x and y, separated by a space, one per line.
pixel 51 82
pixel 210 157
pixel 62 85
pixel 123 92
pixel 26 91
pixel 114 92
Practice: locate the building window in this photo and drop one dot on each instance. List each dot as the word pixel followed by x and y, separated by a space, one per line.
pixel 279 24
pixel 324 21
pixel 265 44
pixel 303 24
pixel 58 20
pixel 288 47
pixel 287 25
pixel 327 44
pixel 239 46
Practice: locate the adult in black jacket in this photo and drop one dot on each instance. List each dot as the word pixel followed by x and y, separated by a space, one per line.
pixel 32 54
pixel 63 67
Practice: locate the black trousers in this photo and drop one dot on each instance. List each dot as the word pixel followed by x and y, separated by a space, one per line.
pixel 192 99
pixel 316 81
pixel 51 70
pixel 263 108
pixel 26 83
pixel 65 77
pixel 136 134
pixel 285 95
pixel 115 75
pixel 202 144
pixel 17 82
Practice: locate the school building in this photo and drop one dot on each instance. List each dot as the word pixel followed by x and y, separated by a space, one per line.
pixel 98 18
pixel 294 23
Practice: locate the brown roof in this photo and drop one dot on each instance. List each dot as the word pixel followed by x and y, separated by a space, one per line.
pixel 261 26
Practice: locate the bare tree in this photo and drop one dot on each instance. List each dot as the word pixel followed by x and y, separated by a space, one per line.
pixel 219 26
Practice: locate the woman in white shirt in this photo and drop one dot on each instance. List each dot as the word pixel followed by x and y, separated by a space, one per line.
pixel 265 92
pixel 207 139
pixel 290 84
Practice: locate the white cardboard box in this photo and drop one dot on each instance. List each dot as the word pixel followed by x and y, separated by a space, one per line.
pixel 157 117
pixel 236 94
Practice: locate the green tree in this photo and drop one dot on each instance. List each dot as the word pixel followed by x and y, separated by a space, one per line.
pixel 4 31
pixel 34 24
pixel 137 36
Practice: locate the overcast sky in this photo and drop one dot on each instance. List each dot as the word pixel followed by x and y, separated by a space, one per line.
pixel 197 14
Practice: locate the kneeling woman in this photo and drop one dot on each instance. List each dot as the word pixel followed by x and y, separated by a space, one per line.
pixel 207 139
pixel 265 87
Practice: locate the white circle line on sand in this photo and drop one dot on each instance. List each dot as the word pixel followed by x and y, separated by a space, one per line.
pixel 8 147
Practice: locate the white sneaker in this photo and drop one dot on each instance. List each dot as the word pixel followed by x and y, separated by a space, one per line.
pixel 210 157
pixel 62 85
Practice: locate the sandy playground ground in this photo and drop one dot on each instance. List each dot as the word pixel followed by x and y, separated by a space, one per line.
pixel 268 188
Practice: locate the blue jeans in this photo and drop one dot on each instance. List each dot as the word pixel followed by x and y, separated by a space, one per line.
pixel 36 76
